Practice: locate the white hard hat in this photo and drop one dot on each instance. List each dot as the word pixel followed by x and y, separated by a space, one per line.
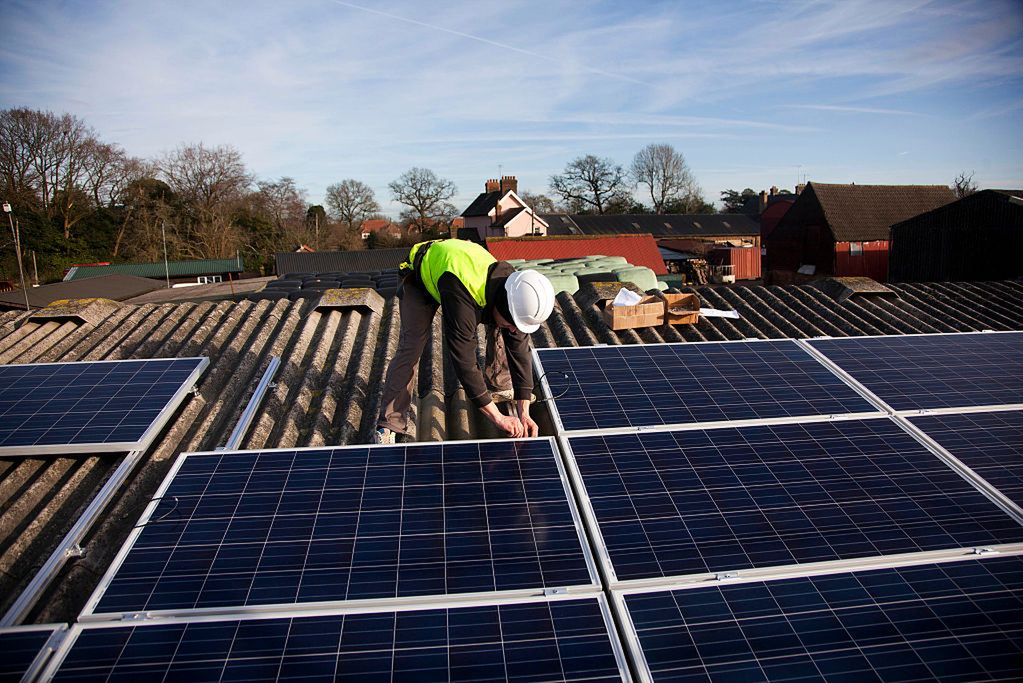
pixel 530 299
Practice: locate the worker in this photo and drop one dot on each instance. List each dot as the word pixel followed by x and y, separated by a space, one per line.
pixel 470 286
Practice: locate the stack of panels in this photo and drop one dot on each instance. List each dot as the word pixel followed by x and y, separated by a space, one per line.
pixel 240 529
pixel 609 387
pixel 553 640
pixel 24 649
pixel 959 621
pixel 933 371
pixel 92 406
pixel 670 504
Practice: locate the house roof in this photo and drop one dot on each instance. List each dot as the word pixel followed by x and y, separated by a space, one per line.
pixel 115 287
pixel 158 270
pixel 867 212
pixel 507 216
pixel 483 204
pixel 360 261
pixel 639 250
pixel 712 225
pixel 328 389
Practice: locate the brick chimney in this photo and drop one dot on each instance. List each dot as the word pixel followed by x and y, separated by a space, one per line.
pixel 763 200
pixel 493 185
pixel 509 184
pixel 774 190
pixel 799 188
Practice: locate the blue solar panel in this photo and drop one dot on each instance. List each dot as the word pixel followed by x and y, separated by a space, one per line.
pixel 90 407
pixel 282 527
pixel 566 640
pixel 931 371
pixel 602 387
pixel 959 621
pixel 695 501
pixel 991 444
pixel 20 650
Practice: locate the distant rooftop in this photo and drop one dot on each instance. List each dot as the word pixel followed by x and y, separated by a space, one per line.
pixel 712 225
pixel 158 270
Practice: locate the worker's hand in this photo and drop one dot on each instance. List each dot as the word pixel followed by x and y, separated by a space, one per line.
pixel 511 425
pixel 530 428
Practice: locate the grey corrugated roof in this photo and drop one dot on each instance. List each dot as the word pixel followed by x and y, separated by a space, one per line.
pixel 711 225
pixel 328 389
pixel 158 270
pixel 339 261
pixel 115 287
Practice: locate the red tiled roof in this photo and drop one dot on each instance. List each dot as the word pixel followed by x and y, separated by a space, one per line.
pixel 639 250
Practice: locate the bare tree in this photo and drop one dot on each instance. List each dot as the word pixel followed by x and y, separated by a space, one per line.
pixel 210 184
pixel 426 197
pixel 592 183
pixel 963 185
pixel 540 203
pixel 352 202
pixel 667 177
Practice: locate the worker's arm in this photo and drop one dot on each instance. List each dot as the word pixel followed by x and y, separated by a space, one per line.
pixel 460 317
pixel 520 364
pixel 529 427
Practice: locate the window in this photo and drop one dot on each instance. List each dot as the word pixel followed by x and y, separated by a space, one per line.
pixel 856 248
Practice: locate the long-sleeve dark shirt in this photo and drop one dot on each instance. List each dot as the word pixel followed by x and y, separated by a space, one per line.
pixel 460 317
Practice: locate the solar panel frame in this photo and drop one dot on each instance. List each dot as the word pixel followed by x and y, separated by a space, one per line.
pixel 50 636
pixel 617 649
pixel 613 582
pixel 146 436
pixel 629 632
pixel 869 400
pixel 90 614
pixel 848 374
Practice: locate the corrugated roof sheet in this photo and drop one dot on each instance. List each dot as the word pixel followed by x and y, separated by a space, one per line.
pixel 115 287
pixel 668 225
pixel 157 270
pixel 639 250
pixel 328 389
pixel 867 212
pixel 361 261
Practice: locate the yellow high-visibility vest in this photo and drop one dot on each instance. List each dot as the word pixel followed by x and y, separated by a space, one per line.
pixel 467 261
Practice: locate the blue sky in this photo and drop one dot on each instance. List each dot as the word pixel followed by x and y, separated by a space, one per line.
pixel 754 93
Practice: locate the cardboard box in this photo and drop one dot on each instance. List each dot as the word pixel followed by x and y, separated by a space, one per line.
pixel 667 309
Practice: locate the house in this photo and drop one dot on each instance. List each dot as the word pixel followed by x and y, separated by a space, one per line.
pixel 979 237
pixel 197 271
pixel 380 227
pixel 713 228
pixel 638 250
pixel 843 230
pixel 498 211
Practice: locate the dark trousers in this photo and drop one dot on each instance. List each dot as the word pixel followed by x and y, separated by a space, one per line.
pixel 417 308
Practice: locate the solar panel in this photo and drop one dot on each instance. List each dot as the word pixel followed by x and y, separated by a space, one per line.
pixel 92 406
pixel 959 621
pixel 689 502
pixel 991 444
pixel 24 650
pixel 234 529
pixel 933 371
pixel 563 640
pixel 604 387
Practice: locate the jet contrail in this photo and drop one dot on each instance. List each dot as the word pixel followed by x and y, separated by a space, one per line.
pixel 485 41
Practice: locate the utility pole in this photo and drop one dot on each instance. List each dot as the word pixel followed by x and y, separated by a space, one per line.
pixel 166 266
pixel 15 233
pixel 35 269
pixel 316 215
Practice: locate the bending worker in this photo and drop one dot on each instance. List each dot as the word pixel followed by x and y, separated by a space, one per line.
pixel 471 287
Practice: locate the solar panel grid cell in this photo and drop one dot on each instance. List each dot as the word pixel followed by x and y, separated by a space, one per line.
pixel 19 648
pixel 47 406
pixel 354 524
pixel 566 640
pixel 991 444
pixel 664 384
pixel 927 372
pixel 677 503
pixel 954 621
